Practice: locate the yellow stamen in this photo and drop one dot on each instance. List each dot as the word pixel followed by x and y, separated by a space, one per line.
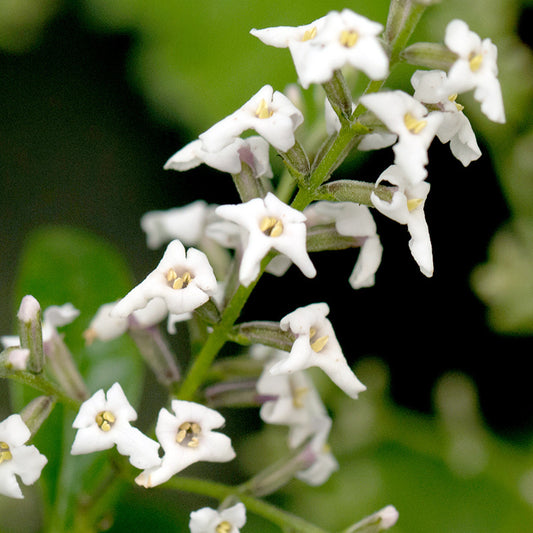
pixel 453 98
pixel 298 394
pixel 223 527
pixel 413 124
pixel 171 275
pixel 326 448
pixel 90 336
pixel 317 344
pixel 475 61
pixel 187 434
pixel 309 34
pixel 413 203
pixel 271 227
pixel 105 420
pixel 5 453
pixel 178 282
pixel 262 110
pixel 348 38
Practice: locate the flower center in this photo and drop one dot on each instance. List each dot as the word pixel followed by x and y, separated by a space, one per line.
pixel 178 282
pixel 348 38
pixel 105 420
pixel 309 34
pixel 453 98
pixel 271 227
pixel 317 344
pixel 5 453
pixel 475 61
pixel 413 203
pixel 223 527
pixel 188 434
pixel 263 110
pixel 413 124
pixel 298 395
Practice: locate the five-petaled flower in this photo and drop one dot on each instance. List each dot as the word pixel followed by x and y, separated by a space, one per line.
pixel 353 220
pixel 270 223
pixel 475 68
pixel 104 420
pixel 270 113
pixel 317 345
pixel 455 128
pixel 184 280
pixel 320 48
pixel 187 437
pixel 415 127
pixel 407 207
pixel 16 459
pixel 207 520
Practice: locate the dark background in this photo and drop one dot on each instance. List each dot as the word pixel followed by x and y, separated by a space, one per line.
pixel 78 146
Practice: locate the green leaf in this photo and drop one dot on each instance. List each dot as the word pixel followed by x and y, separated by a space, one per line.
pixel 59 265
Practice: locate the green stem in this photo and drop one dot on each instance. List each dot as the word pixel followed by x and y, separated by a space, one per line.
pixel 217 339
pixel 42 384
pixel 219 491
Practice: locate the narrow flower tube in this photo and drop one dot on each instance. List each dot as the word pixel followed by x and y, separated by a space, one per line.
pixel 30 332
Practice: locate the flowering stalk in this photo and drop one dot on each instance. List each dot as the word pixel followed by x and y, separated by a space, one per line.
pixel 218 337
pixel 220 491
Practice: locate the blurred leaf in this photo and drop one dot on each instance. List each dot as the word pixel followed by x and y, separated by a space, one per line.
pixel 59 265
pixel 505 282
pixel 196 62
pixel 22 22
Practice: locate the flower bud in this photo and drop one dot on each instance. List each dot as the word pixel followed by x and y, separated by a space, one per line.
pixel 30 332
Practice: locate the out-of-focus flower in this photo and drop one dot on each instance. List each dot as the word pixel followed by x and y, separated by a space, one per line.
pixel 475 68
pixel 208 520
pixel 187 437
pixel 270 113
pixel 320 48
pixel 270 223
pixel 16 459
pixel 104 420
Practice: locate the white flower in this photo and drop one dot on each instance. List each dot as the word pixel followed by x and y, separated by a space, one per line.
pixel 328 44
pixel 17 459
pixel 317 345
pixel 105 326
pixel 356 221
pixel 455 127
pixel 104 420
pixel 187 437
pixel 407 207
pixel 208 520
pixel 270 224
pixel 409 119
pixel 18 358
pixel 270 113
pixel 254 151
pixel 323 461
pixel 183 223
pixel 57 316
pixel 53 317
pixel 297 403
pixel 184 280
pixel 475 68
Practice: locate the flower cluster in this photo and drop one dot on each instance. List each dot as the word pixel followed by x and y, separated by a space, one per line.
pixel 215 254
